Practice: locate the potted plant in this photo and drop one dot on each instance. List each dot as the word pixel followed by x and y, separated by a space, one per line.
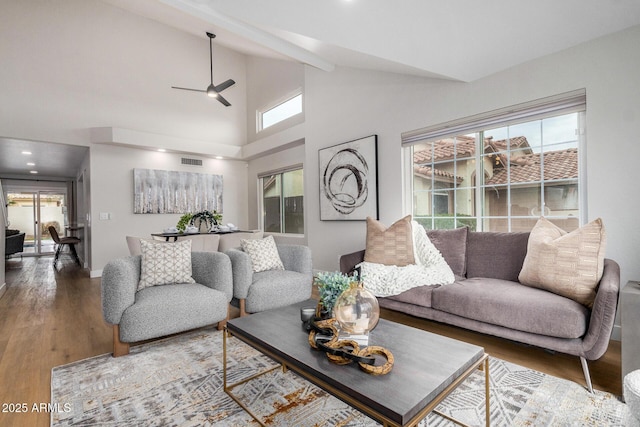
pixel 205 220
pixel 183 222
pixel 330 286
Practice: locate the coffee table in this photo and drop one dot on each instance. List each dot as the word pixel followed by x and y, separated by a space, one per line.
pixel 427 366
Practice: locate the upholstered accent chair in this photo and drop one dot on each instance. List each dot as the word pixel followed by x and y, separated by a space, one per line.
pixel 265 290
pixel 156 311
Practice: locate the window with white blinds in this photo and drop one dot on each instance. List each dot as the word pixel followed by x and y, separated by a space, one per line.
pixel 501 170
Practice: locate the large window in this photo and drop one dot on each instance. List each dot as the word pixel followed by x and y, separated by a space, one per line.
pixel 282 202
pixel 506 173
pixel 282 110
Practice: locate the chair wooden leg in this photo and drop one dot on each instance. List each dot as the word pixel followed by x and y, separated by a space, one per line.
pixel 119 348
pixel 223 323
pixel 243 311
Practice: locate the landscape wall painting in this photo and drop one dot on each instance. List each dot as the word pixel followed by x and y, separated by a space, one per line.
pixel 172 192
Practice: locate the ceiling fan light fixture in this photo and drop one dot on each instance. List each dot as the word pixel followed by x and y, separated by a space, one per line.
pixel 212 90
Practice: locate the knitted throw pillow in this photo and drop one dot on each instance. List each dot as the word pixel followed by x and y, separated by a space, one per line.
pixel 389 246
pixel 263 253
pixel 165 263
pixel 567 264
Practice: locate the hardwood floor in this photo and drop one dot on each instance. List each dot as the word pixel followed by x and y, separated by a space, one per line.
pixel 53 317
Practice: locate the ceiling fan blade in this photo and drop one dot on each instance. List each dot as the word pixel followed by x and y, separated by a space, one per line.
pixel 186 88
pixel 223 101
pixel 222 86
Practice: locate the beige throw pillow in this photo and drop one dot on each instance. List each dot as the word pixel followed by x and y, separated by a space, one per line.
pixel 567 264
pixel 389 246
pixel 165 263
pixel 263 253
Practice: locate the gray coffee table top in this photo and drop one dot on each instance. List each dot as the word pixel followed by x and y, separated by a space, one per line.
pixel 425 363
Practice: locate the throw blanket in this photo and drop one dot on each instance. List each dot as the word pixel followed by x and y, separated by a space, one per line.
pixel 430 269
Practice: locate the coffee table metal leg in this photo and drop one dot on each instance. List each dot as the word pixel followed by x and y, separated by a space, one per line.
pixel 229 387
pixel 484 366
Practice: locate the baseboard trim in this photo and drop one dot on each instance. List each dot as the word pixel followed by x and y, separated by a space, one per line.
pixel 3 289
pixel 95 273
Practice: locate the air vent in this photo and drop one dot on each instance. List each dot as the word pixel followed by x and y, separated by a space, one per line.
pixel 191 162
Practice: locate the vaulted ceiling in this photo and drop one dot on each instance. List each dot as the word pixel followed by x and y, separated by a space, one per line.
pixel 460 40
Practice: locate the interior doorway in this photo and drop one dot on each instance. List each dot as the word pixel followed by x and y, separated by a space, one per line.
pixel 33 211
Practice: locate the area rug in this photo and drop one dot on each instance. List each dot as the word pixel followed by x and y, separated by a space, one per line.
pixel 178 382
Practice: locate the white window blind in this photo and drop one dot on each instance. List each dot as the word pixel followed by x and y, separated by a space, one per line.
pixel 568 102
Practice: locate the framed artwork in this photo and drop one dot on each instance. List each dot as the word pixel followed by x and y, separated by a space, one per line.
pixel 349 180
pixel 171 192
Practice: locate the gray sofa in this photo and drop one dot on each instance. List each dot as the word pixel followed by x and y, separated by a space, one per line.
pixel 487 297
pixel 255 292
pixel 167 309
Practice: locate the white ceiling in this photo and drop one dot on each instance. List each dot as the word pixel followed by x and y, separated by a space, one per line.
pixel 459 40
pixel 51 160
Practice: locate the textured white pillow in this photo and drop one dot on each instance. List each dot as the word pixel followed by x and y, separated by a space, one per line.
pixel 263 253
pixel 165 263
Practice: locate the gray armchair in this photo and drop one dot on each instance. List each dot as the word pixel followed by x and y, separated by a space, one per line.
pixel 255 292
pixel 166 309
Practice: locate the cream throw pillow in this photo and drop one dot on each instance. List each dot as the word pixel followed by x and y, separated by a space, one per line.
pixel 263 253
pixel 389 246
pixel 165 263
pixel 567 264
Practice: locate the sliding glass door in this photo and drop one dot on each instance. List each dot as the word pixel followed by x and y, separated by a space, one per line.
pixel 33 212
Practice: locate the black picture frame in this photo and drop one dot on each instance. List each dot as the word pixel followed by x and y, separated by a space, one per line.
pixel 349 180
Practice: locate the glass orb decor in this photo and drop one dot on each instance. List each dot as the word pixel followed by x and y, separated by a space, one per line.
pixel 357 310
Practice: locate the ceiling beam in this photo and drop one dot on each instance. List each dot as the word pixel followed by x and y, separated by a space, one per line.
pixel 256 35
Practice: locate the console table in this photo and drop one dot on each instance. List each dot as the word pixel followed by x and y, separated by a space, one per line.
pixel 174 236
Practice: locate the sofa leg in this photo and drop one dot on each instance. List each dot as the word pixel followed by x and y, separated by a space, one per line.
pixel 119 348
pixel 243 311
pixel 587 377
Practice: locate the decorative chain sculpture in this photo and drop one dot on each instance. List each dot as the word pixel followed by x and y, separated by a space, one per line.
pixel 344 352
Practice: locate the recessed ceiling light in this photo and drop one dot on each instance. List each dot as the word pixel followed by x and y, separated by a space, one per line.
pixel 26 153
pixel 31 164
pixel 34 172
pixel 219 157
pixel 162 150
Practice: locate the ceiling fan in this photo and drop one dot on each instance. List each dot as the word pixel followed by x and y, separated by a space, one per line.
pixel 212 91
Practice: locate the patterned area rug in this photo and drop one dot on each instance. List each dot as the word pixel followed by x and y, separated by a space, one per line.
pixel 178 382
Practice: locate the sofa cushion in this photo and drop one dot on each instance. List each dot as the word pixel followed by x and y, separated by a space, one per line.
pixel 277 288
pixel 420 295
pixel 496 255
pixel 452 244
pixel 514 306
pixel 389 246
pixel 164 264
pixel 568 264
pixel 164 310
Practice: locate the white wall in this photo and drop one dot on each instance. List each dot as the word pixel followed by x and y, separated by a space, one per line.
pixel 112 192
pixel 268 80
pixel 389 104
pixel 71 65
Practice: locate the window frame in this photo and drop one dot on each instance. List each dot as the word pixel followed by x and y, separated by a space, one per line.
pixel 269 107
pixel 555 106
pixel 261 204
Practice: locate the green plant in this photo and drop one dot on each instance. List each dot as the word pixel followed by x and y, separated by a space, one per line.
pixel 331 285
pixel 183 222
pixel 210 218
